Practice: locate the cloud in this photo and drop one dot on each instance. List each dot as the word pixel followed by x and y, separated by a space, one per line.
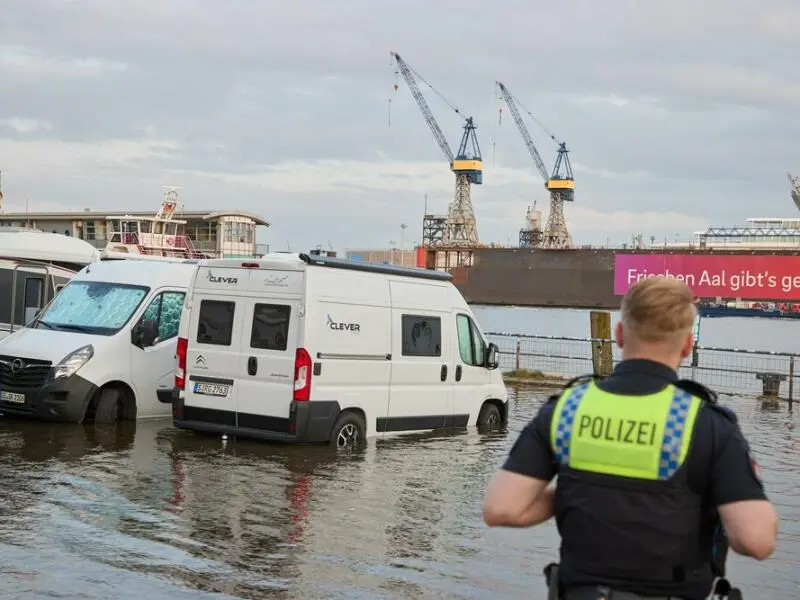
pixel 584 220
pixel 60 159
pixel 678 114
pixel 22 125
pixel 28 62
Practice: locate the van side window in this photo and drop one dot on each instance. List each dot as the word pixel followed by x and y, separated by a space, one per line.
pixel 471 346
pixel 170 317
pixel 33 292
pixel 422 336
pixel 165 309
pixel 151 312
pixel 215 323
pixel 270 326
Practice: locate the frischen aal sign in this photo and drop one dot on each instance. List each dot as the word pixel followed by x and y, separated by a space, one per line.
pixel 710 276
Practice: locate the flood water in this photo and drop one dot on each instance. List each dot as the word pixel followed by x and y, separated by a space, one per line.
pixel 769 335
pixel 146 511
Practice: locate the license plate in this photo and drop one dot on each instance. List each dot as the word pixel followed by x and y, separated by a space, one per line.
pixel 211 389
pixel 12 397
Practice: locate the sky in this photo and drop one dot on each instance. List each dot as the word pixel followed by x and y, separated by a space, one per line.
pixel 679 114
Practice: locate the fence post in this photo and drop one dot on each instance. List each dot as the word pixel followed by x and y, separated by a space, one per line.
pixel 791 381
pixel 600 326
pixel 516 362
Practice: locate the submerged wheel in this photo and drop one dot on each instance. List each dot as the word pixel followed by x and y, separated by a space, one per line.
pixel 107 409
pixel 489 415
pixel 350 431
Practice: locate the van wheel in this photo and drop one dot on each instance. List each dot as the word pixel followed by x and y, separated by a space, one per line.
pixel 107 406
pixel 489 415
pixel 350 431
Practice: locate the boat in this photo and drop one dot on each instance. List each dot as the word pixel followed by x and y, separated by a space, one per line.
pixel 754 309
pixel 158 237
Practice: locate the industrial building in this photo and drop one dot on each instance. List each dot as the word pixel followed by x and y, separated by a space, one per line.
pixel 764 233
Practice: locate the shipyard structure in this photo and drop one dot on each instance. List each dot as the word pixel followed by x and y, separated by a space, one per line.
pixel 757 261
pixel 597 277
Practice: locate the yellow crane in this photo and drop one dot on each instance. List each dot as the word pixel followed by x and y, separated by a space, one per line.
pixel 560 182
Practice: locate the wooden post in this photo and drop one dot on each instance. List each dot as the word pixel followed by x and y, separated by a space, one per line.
pixel 517 361
pixel 791 381
pixel 602 358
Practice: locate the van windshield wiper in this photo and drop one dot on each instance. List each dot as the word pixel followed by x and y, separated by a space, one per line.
pixel 46 324
pixel 78 328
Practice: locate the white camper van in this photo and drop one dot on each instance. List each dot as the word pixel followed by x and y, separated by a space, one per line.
pixel 104 348
pixel 317 349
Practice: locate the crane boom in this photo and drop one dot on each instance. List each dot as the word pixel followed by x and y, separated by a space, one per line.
pixel 523 130
pixel 794 189
pixel 460 226
pixel 405 71
pixel 560 185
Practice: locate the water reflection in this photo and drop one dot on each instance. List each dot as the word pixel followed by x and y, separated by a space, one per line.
pixel 149 511
pixel 247 505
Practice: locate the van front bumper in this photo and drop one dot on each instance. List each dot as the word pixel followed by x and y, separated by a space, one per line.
pixel 63 400
pixel 308 423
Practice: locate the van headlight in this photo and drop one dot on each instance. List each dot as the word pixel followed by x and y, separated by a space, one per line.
pixel 73 361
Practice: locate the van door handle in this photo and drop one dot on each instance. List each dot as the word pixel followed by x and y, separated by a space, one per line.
pixel 252 365
pixel 444 373
pixel 458 372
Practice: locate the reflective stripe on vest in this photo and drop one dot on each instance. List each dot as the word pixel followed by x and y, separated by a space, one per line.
pixel 643 437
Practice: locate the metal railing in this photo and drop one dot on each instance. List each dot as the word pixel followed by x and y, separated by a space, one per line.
pixel 732 371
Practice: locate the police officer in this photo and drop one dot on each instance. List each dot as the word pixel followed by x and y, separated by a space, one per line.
pixel 649 467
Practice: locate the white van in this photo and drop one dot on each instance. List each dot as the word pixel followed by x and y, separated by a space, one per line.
pixel 318 349
pixel 104 348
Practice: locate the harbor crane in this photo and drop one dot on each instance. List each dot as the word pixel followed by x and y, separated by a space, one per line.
pixel 460 228
pixel 560 183
pixel 794 189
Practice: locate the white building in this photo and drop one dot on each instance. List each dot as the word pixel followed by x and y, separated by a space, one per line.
pixel 224 234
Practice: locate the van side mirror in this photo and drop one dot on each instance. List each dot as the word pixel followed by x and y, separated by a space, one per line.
pixel 144 333
pixel 492 356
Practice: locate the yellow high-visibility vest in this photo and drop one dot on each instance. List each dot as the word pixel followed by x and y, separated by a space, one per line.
pixel 642 437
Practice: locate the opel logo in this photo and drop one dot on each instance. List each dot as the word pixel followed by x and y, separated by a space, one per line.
pixel 17 365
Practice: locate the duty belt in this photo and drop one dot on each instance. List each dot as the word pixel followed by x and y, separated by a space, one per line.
pixel 721 589
pixel 593 592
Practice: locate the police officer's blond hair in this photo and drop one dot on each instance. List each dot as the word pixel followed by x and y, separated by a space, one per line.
pixel 659 309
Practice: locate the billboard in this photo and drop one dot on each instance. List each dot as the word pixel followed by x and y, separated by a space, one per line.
pixel 709 276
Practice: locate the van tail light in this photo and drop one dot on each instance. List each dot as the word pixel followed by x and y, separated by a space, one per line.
pixel 180 369
pixel 302 375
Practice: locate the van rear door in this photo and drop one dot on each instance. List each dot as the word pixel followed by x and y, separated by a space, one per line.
pixel 213 358
pixel 269 344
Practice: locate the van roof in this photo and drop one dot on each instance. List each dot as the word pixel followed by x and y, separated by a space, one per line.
pixel 299 261
pixel 28 244
pixel 152 273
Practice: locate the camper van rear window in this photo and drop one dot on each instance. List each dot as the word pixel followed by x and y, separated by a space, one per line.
pixel 215 324
pixel 270 326
pixel 422 335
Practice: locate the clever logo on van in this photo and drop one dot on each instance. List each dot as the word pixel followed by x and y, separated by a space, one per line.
pixel 276 280
pixel 217 279
pixel 338 326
